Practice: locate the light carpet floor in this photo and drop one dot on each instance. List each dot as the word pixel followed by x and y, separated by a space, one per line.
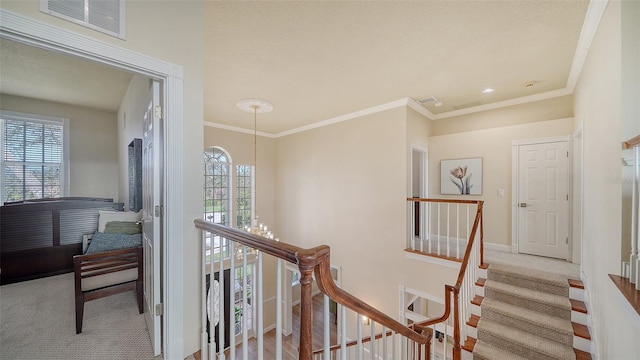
pixel 526 314
pixel 37 321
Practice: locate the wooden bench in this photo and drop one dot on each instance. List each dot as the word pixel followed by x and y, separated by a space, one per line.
pixel 107 273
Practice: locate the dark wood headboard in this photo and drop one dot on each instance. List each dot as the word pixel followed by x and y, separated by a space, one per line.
pixel 39 237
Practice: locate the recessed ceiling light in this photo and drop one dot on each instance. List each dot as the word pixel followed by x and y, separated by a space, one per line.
pixel 488 91
pixel 439 103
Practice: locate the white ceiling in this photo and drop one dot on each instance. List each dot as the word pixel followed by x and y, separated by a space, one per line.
pixel 41 74
pixel 317 60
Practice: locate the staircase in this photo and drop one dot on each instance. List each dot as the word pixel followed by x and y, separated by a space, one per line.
pixel 527 314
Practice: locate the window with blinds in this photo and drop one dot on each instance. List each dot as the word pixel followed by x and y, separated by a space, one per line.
pixel 107 16
pixel 33 157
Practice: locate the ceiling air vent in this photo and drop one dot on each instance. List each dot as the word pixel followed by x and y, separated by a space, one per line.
pixel 107 16
pixel 427 100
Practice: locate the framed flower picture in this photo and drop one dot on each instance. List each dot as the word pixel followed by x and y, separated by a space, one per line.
pixel 461 176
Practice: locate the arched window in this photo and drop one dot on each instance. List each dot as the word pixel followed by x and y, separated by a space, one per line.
pixel 217 186
pixel 217 193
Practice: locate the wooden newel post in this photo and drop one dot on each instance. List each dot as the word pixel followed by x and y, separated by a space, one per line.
pixel 457 351
pixel 306 313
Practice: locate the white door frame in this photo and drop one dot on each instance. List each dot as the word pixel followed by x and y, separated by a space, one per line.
pixel 424 174
pixel 515 166
pixel 36 33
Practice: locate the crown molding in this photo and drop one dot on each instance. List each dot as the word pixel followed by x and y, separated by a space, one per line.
pixel 505 103
pixel 237 129
pixel 356 114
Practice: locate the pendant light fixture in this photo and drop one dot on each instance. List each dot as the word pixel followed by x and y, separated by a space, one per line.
pixel 256 106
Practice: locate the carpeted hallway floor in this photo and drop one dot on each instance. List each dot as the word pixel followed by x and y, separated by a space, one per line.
pixel 37 321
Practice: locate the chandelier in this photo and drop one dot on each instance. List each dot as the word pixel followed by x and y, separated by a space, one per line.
pixel 256 106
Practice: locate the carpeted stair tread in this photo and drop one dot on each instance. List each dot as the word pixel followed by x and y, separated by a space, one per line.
pixel 529 278
pixel 551 304
pixel 550 327
pixel 485 351
pixel 522 343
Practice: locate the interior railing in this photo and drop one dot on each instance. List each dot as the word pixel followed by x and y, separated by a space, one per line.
pixel 440 227
pixel 438 221
pixel 238 256
pixel 453 225
pixel 631 268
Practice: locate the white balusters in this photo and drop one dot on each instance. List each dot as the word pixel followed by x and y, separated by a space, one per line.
pixel 327 328
pixel 260 312
pixel 635 210
pixel 232 310
pixel 279 309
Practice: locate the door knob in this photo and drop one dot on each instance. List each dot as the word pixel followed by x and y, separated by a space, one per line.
pixel 524 204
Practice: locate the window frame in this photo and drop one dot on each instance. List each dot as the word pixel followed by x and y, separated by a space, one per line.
pixel 223 248
pixel 251 188
pixel 39 119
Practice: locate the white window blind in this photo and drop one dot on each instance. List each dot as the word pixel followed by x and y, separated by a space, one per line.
pixel 107 16
pixel 33 157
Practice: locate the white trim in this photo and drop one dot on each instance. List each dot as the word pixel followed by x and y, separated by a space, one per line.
pixel 589 26
pixel 505 103
pixel 42 119
pixel 66 151
pixel 419 108
pixel 550 139
pixel 238 129
pixel 26 30
pixel 498 247
pixel 432 260
pixel 349 116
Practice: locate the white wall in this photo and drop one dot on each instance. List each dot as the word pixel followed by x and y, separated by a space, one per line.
pixel 615 325
pixel 93 152
pixel 171 31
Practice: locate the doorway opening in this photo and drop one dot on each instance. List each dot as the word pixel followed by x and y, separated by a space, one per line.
pixel 31 32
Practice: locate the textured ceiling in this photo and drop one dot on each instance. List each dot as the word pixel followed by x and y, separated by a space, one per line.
pixel 41 74
pixel 316 60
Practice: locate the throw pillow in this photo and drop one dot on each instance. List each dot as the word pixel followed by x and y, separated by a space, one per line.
pixel 101 242
pixel 108 216
pixel 122 227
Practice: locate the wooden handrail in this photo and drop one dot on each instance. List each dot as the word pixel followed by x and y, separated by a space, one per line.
pixel 281 250
pixel 634 141
pixel 315 260
pixel 327 286
pixel 452 201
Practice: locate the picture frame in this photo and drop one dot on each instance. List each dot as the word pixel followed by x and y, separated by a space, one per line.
pixel 461 176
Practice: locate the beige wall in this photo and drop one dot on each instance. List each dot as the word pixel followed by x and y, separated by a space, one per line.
pixel 555 108
pixel 494 147
pixel 344 185
pixel 159 30
pixel 615 325
pixel 93 152
pixel 130 115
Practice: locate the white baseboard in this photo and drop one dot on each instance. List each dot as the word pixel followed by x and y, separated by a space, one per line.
pixel 497 247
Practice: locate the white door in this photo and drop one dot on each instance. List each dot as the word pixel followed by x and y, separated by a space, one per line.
pixel 152 213
pixel 543 199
